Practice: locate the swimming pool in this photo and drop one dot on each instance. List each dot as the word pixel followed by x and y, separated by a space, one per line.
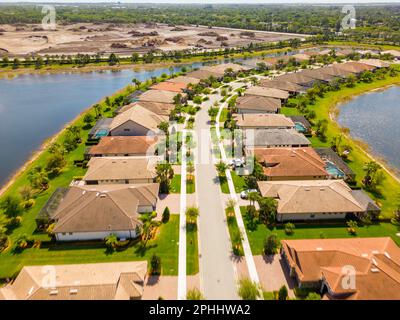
pixel 101 133
pixel 333 170
pixel 300 127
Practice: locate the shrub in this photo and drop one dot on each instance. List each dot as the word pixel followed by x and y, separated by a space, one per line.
pixel 165 215
pixel 248 290
pixel 313 296
pixel 271 244
pixel 194 294
pixel 4 241
pixel 289 228
pixel 155 265
pixel 28 203
pixel 283 293
pixel 352 227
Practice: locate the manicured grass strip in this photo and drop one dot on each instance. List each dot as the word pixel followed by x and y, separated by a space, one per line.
pixel 290 111
pixel 176 184
pixel 234 233
pixel 190 186
pixel 224 115
pixel 192 249
pixel 238 181
pixel 165 245
pixel 316 231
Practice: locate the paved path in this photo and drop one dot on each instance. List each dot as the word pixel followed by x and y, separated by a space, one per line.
pixel 218 279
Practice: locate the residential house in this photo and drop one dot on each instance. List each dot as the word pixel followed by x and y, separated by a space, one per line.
pixel 300 57
pixel 297 78
pixel 257 104
pixel 204 74
pixel 318 75
pixel 221 69
pixel 337 168
pixel 291 164
pixel 333 70
pixel 275 138
pixel 290 87
pixel 302 125
pixel 268 92
pixel 177 87
pixel 162 96
pixel 121 170
pixel 91 281
pixel 305 200
pixel 136 121
pixel 101 128
pixel 394 53
pixel 377 63
pixel 257 121
pixel 184 79
pixel 159 108
pixel 94 212
pixel 356 68
pixel 345 269
pixel 124 146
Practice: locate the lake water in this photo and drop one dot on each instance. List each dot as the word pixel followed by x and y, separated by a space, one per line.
pixel 375 118
pixel 35 107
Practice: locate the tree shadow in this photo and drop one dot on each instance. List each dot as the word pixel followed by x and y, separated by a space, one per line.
pixel 141 250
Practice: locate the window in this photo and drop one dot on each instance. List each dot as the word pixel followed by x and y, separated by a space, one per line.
pixel 127 129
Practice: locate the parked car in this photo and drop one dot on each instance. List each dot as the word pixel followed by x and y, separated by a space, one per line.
pixel 237 163
pixel 245 194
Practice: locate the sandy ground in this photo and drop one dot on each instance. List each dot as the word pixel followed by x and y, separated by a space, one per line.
pixel 166 287
pixel 124 38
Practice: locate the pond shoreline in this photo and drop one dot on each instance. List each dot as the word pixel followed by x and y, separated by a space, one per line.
pixel 361 144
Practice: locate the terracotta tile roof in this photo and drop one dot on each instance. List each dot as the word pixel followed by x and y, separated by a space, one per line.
pixel 99 208
pixel 376 262
pixel 140 145
pixel 159 96
pixel 291 162
pixel 267 92
pixel 161 109
pixel 311 196
pixel 282 85
pixel 263 120
pixel 139 115
pixel 95 281
pixel 121 168
pixel 250 102
pixel 169 86
pixel 184 79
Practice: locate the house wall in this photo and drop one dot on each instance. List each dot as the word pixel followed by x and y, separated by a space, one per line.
pixel 99 235
pixel 250 111
pixel 121 181
pixel 285 178
pixel 129 128
pixel 309 216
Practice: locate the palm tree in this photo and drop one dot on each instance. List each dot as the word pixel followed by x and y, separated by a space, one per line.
pixel 190 171
pixel 194 294
pixel 253 197
pixel 136 82
pixel 97 110
pixel 165 173
pixel 221 167
pixel 38 178
pixel 248 290
pixel 148 224
pixel 191 214
pixel 111 241
pixel 230 206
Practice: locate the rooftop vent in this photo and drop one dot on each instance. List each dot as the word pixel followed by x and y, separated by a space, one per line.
pixel 31 290
pixel 53 292
pixel 387 255
pixel 364 255
pixel 375 270
pixel 319 249
pixel 73 291
pixel 374 262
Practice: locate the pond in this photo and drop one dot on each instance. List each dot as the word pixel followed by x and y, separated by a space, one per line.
pixel 375 119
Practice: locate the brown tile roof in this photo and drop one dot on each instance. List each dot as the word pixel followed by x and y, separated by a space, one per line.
pixel 282 85
pixel 317 74
pixel 169 86
pixel 335 71
pixel 275 138
pixel 139 115
pixel 375 63
pixel 202 74
pixel 159 96
pixel 251 102
pixel 274 60
pixel 185 80
pixel 263 120
pixel 140 145
pixel 161 109
pixel 296 77
pixel 267 92
pixel 121 168
pixel 95 281
pixel 291 162
pixel 220 68
pixel 301 57
pixel 97 208
pixel 311 196
pixel 376 262
pixel 354 67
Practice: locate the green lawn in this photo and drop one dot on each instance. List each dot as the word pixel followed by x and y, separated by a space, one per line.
pixel 238 181
pixel 176 184
pixel 191 186
pixel 316 231
pixel 224 115
pixel 290 111
pixel 192 250
pixel 165 245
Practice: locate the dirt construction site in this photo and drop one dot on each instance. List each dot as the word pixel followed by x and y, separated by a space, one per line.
pixel 22 40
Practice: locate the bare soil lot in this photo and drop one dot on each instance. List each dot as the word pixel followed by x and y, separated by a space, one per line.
pixel 124 39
